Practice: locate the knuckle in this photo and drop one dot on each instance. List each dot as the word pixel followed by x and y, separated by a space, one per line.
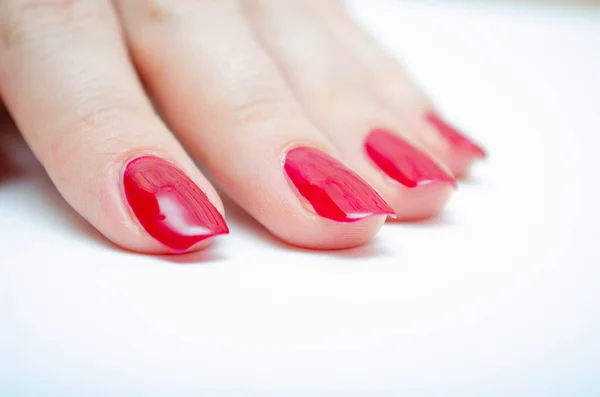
pixel 97 128
pixel 101 114
pixel 158 11
pixel 250 94
pixel 256 109
pixel 23 21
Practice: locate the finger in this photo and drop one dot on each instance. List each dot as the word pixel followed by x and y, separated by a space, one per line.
pixel 336 95
pixel 226 100
pixel 392 86
pixel 66 79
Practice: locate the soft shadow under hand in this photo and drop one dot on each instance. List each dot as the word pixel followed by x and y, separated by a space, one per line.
pixel 242 220
pixel 41 199
pixel 9 169
pixel 472 182
pixel 208 255
pixel 443 219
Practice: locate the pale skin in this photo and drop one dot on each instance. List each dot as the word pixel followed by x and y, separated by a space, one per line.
pixel 235 83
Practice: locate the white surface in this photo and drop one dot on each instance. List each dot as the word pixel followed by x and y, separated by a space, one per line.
pixel 499 297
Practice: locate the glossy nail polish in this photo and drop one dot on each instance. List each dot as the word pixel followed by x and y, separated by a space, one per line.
pixel 168 205
pixel 403 162
pixel 334 191
pixel 454 137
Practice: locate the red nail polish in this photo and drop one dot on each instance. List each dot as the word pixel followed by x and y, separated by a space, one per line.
pixel 168 205
pixel 334 191
pixel 452 135
pixel 403 162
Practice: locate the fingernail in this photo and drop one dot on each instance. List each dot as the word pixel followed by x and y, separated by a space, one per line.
pixel 454 137
pixel 168 205
pixel 403 162
pixel 334 191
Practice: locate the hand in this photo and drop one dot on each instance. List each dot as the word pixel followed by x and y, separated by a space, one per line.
pixel 278 100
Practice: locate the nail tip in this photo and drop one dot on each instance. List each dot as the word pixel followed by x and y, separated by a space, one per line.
pixel 476 150
pixel 223 232
pixel 219 231
pixel 435 181
pixel 482 153
pixel 456 137
pixel 360 217
pixel 387 210
pixel 200 239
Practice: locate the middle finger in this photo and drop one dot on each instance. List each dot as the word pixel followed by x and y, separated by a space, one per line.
pixel 225 98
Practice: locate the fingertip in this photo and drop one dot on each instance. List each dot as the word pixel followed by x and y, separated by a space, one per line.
pixel 330 235
pixel 422 202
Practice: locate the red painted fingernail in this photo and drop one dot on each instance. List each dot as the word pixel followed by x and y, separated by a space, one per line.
pixel 334 191
pixel 452 135
pixel 168 205
pixel 403 162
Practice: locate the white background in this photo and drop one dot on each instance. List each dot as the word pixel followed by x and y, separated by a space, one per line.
pixel 498 297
